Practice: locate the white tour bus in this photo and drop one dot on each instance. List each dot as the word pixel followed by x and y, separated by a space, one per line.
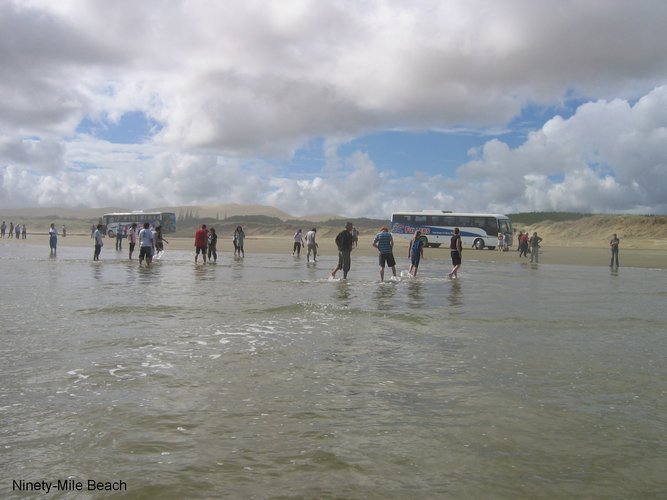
pixel 121 221
pixel 437 227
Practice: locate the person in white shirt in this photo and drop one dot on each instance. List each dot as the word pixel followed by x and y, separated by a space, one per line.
pixel 132 238
pixel 99 242
pixel 311 244
pixel 146 242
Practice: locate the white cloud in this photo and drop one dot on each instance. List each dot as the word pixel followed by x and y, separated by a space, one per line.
pixel 236 85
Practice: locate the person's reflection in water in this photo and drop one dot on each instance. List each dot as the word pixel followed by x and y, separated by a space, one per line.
pixel 384 295
pixel 342 293
pixel 415 295
pixel 455 295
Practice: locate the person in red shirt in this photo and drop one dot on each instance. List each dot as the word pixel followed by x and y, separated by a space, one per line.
pixel 201 242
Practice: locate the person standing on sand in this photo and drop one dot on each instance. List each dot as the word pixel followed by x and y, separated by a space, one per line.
pixel 3 229
pixel 613 244
pixel 344 242
pixel 535 248
pixel 456 251
pixel 53 238
pixel 523 244
pixel 355 236
pixel 11 229
pixel 312 244
pixel 415 253
pixel 64 231
pixel 132 238
pixel 201 243
pixel 384 242
pixel 18 231
pixel 99 243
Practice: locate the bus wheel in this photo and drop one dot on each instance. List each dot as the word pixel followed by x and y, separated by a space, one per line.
pixel 478 244
pixel 424 241
pixel 110 233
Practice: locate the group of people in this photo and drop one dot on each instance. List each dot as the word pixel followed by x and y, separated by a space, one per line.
pixel 150 239
pixel 308 242
pixel 206 241
pixel 530 244
pixel 19 230
pixel 152 242
pixel 384 242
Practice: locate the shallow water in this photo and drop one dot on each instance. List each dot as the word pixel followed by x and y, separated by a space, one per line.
pixel 261 378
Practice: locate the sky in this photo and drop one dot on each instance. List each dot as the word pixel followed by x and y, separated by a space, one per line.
pixel 348 107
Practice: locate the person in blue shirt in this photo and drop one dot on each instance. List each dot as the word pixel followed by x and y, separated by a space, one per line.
pixel 384 242
pixel 416 252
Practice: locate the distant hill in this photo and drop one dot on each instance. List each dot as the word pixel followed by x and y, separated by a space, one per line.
pixel 535 217
pixel 635 231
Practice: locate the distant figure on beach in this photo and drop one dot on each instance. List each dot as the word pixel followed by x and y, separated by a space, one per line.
pixel 384 242
pixel 212 243
pixel 18 231
pixel 99 242
pixel 24 231
pixel 11 229
pixel 501 241
pixel 456 252
pixel 119 239
pixel 415 253
pixel 146 244
pixel 311 244
pixel 132 238
pixel 535 248
pixel 523 244
pixel 53 238
pixel 355 236
pixel 239 237
pixel 613 244
pixel 3 229
pixel 201 242
pixel 298 243
pixel 64 231
pixel 159 240
pixel 344 242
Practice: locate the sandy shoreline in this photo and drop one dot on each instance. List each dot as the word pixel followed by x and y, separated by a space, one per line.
pixel 588 256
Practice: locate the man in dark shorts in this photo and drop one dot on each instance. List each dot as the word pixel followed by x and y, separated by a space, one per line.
pixel 344 243
pixel 146 244
pixel 384 242
pixel 456 250
pixel 201 242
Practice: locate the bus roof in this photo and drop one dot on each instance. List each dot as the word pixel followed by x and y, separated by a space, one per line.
pixel 448 212
pixel 137 212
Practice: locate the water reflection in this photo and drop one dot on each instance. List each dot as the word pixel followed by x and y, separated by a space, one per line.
pixel 455 295
pixel 342 292
pixel 415 294
pixel 204 272
pixel 384 295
